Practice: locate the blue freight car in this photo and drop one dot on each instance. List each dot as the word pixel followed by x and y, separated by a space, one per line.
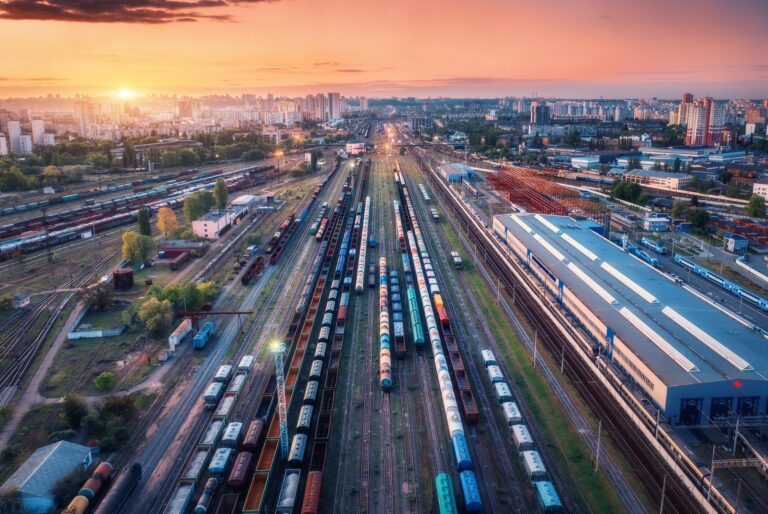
pixel 547 497
pixel 446 499
pixel 461 452
pixel 472 500
pixel 202 337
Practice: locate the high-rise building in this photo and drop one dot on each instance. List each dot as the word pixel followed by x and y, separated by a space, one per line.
pixel 3 145
pixel 334 106
pixel 363 103
pixel 25 144
pixel 86 112
pixel 186 109
pixel 539 113
pixel 38 131
pixel 14 136
pixel 49 139
pixel 320 107
pixel 705 123
pixel 687 98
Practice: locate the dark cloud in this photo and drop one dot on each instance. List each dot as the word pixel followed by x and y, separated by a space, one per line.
pixel 123 11
pixel 350 70
pixel 325 63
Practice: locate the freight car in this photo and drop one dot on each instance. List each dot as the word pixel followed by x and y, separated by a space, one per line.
pixel 446 500
pixel 204 502
pixel 202 337
pixel 122 486
pixel 241 470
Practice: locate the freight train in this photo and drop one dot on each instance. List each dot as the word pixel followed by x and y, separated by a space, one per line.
pixel 83 222
pixel 546 494
pixel 385 355
pixel 429 291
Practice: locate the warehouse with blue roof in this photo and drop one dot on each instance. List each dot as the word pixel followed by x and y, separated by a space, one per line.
pixel 694 361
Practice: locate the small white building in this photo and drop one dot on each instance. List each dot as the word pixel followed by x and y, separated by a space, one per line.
pixel 212 224
pixel 656 224
pixel 760 189
pixel 454 173
pixel 355 148
pixel 3 145
pixel 659 178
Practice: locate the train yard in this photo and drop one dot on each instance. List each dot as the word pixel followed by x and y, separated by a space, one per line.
pixel 349 363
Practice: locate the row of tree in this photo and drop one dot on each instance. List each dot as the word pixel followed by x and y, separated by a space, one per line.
pixel 157 311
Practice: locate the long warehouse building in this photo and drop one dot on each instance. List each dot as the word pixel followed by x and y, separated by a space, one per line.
pixel 692 360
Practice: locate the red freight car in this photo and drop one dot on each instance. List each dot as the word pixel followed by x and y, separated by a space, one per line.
pixel 311 503
pixel 179 260
pixel 252 439
pixel 241 470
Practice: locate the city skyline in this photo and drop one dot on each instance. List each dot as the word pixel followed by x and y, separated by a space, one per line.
pixel 594 49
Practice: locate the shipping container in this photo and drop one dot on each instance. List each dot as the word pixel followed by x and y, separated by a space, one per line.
pixel 488 358
pixel 246 363
pixel 522 437
pixel 223 373
pixel 547 497
pixel 503 394
pixel 232 435
pixel 495 374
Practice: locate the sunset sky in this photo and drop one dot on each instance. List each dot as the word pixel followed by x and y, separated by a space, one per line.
pixel 579 48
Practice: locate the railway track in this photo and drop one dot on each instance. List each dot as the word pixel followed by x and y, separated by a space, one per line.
pixel 285 275
pixel 25 323
pixel 649 466
pixel 387 449
pixel 475 440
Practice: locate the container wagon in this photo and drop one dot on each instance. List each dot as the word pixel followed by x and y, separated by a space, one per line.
pixel 547 497
pixel 522 437
pixel 503 394
pixel 511 413
pixel 232 435
pixel 253 435
pixel 246 363
pixel 298 447
pixel 533 464
pixel 488 358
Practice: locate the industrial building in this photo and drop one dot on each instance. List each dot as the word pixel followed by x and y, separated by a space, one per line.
pixel 455 173
pixel 688 357
pixel 35 478
pixel 214 223
pixel 659 178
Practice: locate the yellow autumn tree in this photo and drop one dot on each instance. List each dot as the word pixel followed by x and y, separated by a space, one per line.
pixel 166 221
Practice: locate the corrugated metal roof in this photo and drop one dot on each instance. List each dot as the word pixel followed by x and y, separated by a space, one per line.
pixel 42 469
pixel 708 345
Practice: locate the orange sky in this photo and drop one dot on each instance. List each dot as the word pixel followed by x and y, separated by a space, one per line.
pixel 605 48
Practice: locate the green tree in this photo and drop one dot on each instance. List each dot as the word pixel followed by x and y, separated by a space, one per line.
pixel 756 207
pixel 98 296
pixel 733 189
pixel 105 381
pixel 118 407
pixel 220 193
pixel 698 217
pixel 145 228
pixel 197 204
pixel 679 208
pixel 74 410
pixel 676 165
pixel 156 315
pixel 191 297
pixel 136 247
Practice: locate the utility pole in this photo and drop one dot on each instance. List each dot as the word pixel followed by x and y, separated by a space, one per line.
pixel 711 473
pixel 597 450
pixel 535 341
pixel 281 404
pixel 562 357
pixel 663 491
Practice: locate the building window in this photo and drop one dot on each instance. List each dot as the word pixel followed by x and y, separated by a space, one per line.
pixel 690 411
pixel 721 407
pixel 747 406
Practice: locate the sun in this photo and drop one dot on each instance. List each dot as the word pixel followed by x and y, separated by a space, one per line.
pixel 125 93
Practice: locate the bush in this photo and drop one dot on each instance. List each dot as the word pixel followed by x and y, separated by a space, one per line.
pixel 62 435
pixel 68 486
pixel 92 425
pixel 105 381
pixel 74 411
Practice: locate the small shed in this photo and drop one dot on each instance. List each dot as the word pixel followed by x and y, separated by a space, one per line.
pixel 735 243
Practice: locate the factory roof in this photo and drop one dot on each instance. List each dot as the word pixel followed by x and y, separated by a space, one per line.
pixel 657 174
pixel 456 168
pixel 37 475
pixel 681 337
